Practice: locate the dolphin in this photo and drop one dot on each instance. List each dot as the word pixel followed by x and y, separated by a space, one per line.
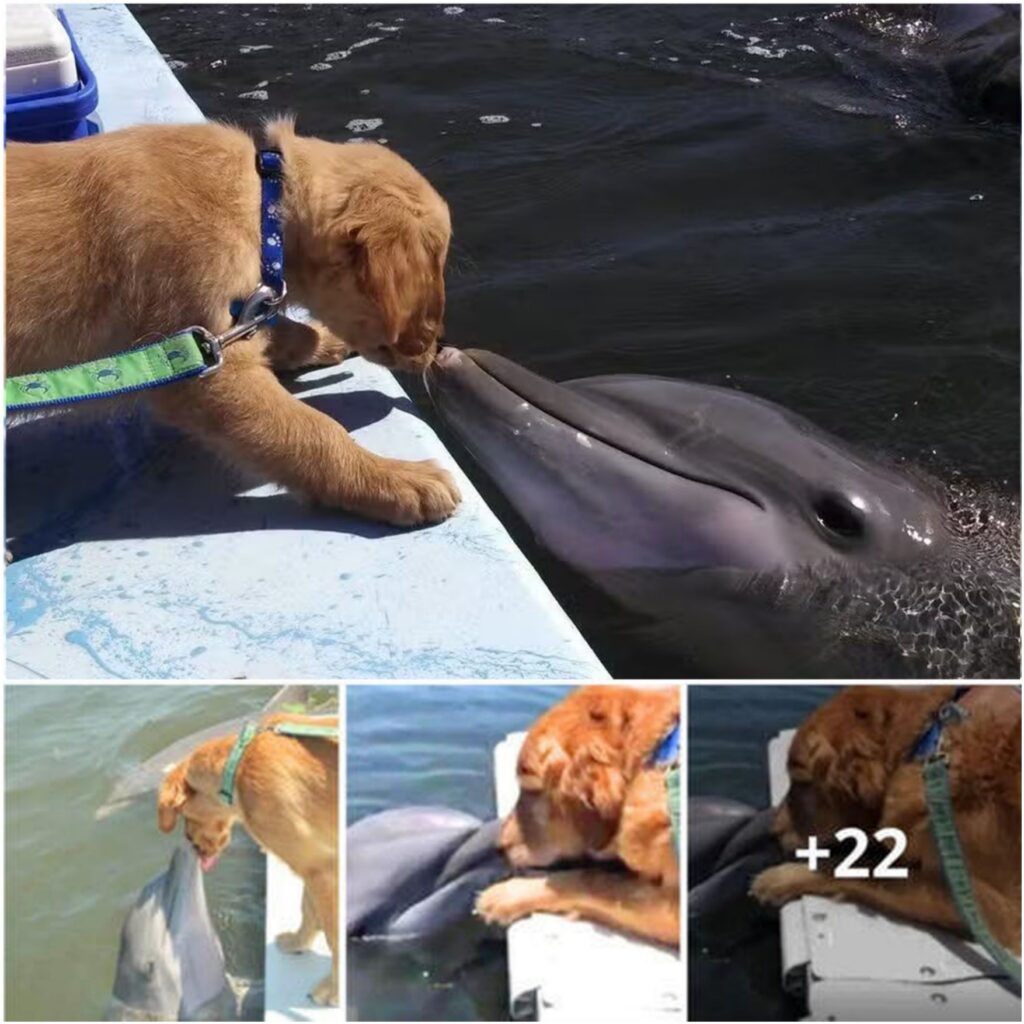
pixel 728 843
pixel 722 522
pixel 143 778
pixel 978 46
pixel 170 965
pixel 413 871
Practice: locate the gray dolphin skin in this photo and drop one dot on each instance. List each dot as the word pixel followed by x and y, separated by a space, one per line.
pixel 709 511
pixel 728 843
pixel 414 871
pixel 170 965
pixel 142 779
pixel 979 47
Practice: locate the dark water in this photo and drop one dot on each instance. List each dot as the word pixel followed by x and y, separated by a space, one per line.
pixel 431 745
pixel 783 200
pixel 734 957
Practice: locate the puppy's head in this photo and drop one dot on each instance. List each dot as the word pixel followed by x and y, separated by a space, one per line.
pixel 843 756
pixel 574 770
pixel 369 257
pixel 207 822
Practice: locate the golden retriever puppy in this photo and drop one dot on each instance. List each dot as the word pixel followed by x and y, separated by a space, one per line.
pixel 852 763
pixel 588 787
pixel 286 797
pixel 119 238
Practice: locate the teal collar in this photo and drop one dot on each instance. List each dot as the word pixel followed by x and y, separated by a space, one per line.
pixel 299 730
pixel 227 779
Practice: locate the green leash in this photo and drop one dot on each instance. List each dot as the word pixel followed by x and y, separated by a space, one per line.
pixel 299 730
pixel 954 867
pixel 192 352
pixel 188 353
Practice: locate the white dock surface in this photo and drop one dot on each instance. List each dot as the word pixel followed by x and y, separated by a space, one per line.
pixel 138 556
pixel 855 964
pixel 290 977
pixel 563 970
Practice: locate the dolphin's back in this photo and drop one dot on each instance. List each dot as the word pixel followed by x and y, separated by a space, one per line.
pixel 413 870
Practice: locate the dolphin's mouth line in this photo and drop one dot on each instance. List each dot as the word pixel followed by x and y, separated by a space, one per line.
pixel 594 430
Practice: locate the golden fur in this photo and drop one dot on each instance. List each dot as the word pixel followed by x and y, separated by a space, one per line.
pixel 286 797
pixel 144 231
pixel 849 766
pixel 586 790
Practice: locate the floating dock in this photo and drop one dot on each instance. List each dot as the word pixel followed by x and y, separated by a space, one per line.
pixel 850 963
pixel 565 970
pixel 288 978
pixel 136 557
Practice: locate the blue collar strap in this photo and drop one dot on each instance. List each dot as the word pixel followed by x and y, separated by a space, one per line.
pixel 928 742
pixel 270 165
pixel 266 298
pixel 667 751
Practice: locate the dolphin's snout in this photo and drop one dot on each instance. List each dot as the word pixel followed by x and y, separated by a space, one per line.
pixel 447 358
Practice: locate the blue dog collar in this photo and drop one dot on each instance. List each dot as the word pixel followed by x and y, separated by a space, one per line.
pixel 928 743
pixel 667 751
pixel 270 167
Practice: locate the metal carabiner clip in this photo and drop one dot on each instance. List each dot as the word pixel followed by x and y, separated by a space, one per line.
pixel 258 308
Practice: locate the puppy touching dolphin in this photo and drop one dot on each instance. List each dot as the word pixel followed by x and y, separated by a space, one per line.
pixel 745 540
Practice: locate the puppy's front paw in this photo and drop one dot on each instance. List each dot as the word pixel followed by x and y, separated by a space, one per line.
pixel 294 346
pixel 783 883
pixel 293 942
pixel 413 493
pixel 325 993
pixel 508 901
pixel 330 349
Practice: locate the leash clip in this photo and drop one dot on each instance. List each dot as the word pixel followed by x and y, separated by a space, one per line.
pixel 258 308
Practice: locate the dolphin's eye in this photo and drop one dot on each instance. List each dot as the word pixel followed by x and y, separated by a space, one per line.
pixel 839 517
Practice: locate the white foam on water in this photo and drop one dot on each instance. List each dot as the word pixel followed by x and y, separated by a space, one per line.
pixel 454 10
pixel 255 94
pixel 364 92
pixel 730 34
pixel 977 196
pixel 177 65
pixel 321 66
pixel 493 119
pixel 345 54
pixel 763 51
pixel 364 124
pixel 756 81
pixel 494 21
pixel 254 48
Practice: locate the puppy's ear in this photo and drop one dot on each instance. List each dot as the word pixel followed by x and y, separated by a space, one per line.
pixel 544 760
pixel 174 791
pixel 859 771
pixel 595 778
pixel 392 253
